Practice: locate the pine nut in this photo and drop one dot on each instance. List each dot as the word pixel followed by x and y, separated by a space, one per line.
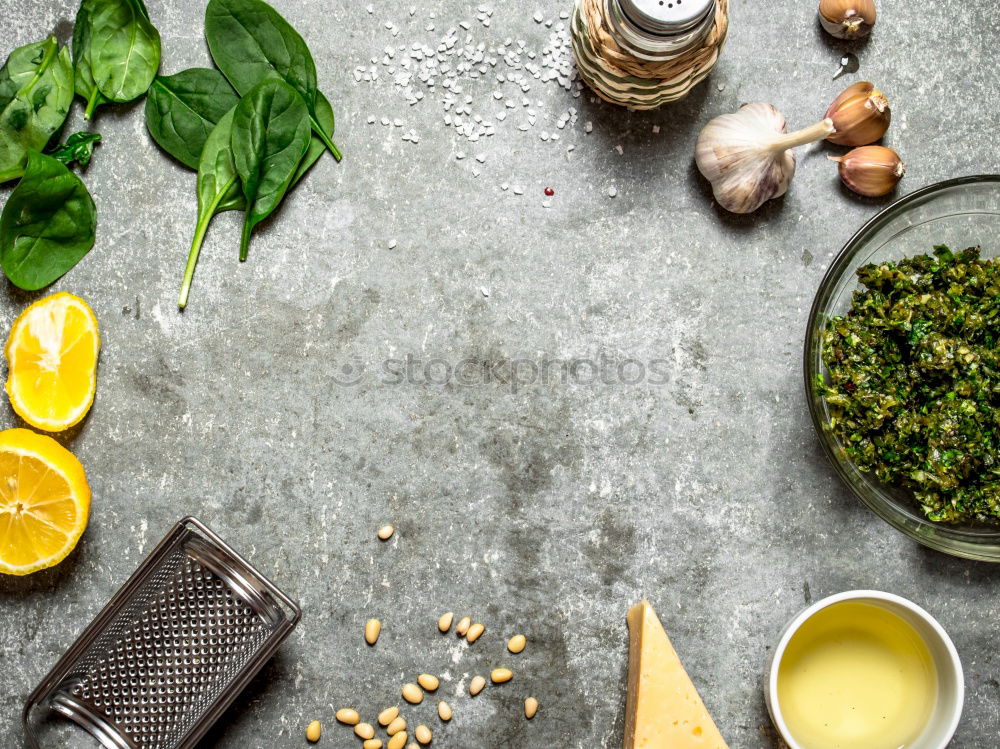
pixel 348 717
pixel 475 632
pixel 500 675
pixel 397 741
pixel 372 744
pixel 388 715
pixel 313 731
pixel 364 731
pixel 412 746
pixel 476 686
pixel 462 628
pixel 397 725
pixel 530 708
pixel 412 694
pixel 372 630
pixel 428 682
pixel 444 623
pixel 386 531
pixel 517 643
pixel 423 734
pixel 444 711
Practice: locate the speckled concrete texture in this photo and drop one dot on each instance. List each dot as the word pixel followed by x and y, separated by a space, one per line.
pixel 563 403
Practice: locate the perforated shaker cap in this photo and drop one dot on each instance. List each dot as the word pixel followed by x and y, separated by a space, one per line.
pixel 666 17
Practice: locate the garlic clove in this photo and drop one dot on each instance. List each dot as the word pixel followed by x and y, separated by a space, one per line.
pixel 860 115
pixel 747 155
pixel 872 171
pixel 847 19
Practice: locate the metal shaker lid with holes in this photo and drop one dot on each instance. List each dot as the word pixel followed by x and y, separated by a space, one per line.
pixel 661 29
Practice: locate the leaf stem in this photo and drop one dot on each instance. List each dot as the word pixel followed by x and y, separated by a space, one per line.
pixel 245 237
pixel 199 237
pixel 92 103
pixel 318 129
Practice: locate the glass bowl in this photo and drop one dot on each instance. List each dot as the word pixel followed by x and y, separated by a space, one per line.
pixel 960 213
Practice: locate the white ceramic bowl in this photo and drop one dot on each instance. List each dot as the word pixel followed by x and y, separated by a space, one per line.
pixel 951 685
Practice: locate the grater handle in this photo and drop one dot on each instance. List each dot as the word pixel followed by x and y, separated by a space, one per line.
pixel 270 603
pixel 69 708
pixel 93 724
pixel 29 733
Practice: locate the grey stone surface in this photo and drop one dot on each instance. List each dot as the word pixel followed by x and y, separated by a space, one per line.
pixel 545 507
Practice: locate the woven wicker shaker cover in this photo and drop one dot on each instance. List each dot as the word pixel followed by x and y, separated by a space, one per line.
pixel 621 78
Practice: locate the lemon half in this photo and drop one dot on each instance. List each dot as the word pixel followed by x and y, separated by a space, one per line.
pixel 52 355
pixel 44 502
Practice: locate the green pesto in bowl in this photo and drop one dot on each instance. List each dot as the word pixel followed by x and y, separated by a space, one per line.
pixel 959 213
pixel 912 380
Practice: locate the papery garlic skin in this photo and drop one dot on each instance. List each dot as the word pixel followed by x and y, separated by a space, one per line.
pixel 872 171
pixel 847 19
pixel 747 156
pixel 860 115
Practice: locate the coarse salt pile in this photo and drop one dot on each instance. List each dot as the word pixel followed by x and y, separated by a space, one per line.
pixel 479 80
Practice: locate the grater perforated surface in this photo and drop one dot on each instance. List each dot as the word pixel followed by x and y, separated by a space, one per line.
pixel 169 654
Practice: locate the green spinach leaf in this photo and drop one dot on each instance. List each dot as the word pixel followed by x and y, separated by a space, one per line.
pixel 36 91
pixel 48 224
pixel 219 190
pixel 270 138
pixel 250 42
pixel 124 48
pixel 182 109
pixel 79 147
pixel 219 187
pixel 85 85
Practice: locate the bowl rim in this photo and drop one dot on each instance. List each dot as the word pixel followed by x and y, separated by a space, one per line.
pixel 863 596
pixel 946 539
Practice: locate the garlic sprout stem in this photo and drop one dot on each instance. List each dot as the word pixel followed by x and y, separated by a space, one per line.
pixel 801 137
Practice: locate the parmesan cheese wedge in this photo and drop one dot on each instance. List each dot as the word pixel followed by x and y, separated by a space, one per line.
pixel 663 709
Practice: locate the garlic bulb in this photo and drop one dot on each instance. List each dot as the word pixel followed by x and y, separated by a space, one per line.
pixel 860 115
pixel 870 170
pixel 847 19
pixel 747 155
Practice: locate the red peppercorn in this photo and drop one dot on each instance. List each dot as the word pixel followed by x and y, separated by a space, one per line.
pixel 549 191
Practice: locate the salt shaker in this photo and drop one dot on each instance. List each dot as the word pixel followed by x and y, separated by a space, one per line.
pixel 644 53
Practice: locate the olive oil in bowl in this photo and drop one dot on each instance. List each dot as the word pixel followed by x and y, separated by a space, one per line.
pixel 856 675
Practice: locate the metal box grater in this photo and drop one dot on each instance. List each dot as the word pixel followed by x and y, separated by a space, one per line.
pixel 171 650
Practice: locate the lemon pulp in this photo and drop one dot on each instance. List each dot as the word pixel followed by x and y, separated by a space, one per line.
pixel 52 356
pixel 44 502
